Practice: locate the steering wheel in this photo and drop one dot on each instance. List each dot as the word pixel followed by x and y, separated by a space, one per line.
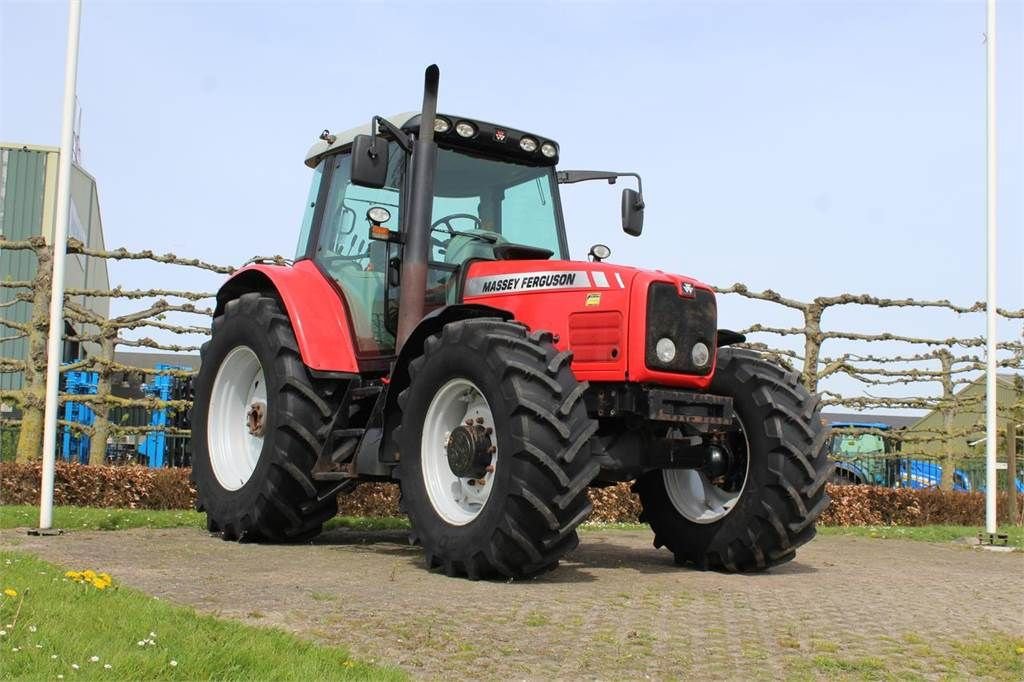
pixel 447 222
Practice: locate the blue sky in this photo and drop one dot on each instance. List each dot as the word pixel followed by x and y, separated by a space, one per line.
pixel 813 148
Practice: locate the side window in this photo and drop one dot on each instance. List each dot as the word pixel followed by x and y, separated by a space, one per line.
pixel 307 216
pixel 524 219
pixel 358 264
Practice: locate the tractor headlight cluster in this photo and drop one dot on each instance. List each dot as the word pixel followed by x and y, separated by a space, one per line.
pixel 441 125
pixel 528 144
pixel 549 150
pixel 465 129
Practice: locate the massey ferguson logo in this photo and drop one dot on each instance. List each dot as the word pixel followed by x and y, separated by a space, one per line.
pixel 687 290
pixel 499 135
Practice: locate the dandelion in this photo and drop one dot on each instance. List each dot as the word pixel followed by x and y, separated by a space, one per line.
pixel 174 664
pixel 10 592
pixel 94 659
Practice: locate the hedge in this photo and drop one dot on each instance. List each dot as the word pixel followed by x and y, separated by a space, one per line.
pixel 137 487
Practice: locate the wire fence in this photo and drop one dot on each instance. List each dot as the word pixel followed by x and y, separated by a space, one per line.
pixel 931 375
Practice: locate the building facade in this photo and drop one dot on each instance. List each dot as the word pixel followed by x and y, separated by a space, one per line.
pixel 28 202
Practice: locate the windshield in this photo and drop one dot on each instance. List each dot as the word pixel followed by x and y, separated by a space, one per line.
pixel 482 202
pixel 854 444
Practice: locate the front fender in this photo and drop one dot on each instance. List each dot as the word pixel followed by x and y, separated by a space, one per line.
pixel 413 348
pixel 316 310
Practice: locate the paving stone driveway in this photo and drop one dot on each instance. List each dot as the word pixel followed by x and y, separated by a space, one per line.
pixel 616 608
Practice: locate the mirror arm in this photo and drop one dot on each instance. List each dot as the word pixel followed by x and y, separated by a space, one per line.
pixel 572 176
pixel 400 137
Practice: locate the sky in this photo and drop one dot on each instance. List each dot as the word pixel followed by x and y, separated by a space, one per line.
pixel 813 148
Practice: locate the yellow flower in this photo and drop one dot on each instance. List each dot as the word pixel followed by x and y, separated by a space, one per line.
pixel 74 575
pixel 89 574
pixel 100 585
pixel 10 592
pixel 105 577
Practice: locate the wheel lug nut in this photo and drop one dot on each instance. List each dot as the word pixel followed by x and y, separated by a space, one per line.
pixel 491 450
pixel 490 469
pixel 479 420
pixel 488 431
pixel 469 422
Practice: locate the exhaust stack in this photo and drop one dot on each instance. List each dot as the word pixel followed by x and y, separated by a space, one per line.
pixel 421 204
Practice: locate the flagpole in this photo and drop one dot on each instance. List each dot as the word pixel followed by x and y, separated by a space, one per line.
pixel 54 342
pixel 991 434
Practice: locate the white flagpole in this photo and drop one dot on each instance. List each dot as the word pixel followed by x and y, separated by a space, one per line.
pixel 54 342
pixel 990 309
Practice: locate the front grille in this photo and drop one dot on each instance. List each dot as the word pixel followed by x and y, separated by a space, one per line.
pixel 686 321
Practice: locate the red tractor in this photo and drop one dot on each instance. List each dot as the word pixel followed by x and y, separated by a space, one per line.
pixel 432 331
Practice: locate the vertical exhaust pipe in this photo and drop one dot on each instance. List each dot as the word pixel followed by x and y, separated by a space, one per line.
pixel 421 204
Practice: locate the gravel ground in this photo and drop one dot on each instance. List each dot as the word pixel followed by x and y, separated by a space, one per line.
pixel 615 608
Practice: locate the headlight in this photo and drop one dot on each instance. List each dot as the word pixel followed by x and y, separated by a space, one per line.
pixel 666 350
pixel 465 129
pixel 528 144
pixel 549 150
pixel 700 354
pixel 378 215
pixel 441 125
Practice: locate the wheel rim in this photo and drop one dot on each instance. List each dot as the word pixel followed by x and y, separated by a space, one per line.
pixel 703 500
pixel 456 499
pixel 237 419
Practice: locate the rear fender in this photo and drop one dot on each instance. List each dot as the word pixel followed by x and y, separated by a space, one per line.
pixel 316 310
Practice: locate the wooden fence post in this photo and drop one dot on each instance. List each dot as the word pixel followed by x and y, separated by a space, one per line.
pixel 812 345
pixel 948 412
pixel 33 397
pixel 101 423
pixel 1011 469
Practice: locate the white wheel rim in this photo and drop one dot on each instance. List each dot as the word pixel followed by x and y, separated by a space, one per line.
pixel 697 497
pixel 238 388
pixel 456 500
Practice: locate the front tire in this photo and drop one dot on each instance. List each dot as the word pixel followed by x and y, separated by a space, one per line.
pixel 759 518
pixel 258 423
pixel 511 399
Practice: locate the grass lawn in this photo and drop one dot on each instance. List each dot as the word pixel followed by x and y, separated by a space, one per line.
pixel 91 518
pixel 55 628
pixel 923 533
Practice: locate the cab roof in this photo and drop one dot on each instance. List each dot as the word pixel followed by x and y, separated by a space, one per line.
pixel 321 147
pixel 490 139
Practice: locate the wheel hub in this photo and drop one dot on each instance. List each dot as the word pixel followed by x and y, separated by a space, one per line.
pixel 469 449
pixel 718 461
pixel 255 418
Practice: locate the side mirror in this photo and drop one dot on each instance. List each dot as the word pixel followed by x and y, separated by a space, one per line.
pixel 369 164
pixel 632 212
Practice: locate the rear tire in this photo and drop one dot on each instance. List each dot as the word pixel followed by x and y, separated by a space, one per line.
pixel 253 491
pixel 784 489
pixel 520 385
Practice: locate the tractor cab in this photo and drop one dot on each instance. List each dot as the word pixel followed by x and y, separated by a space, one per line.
pixel 495 197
